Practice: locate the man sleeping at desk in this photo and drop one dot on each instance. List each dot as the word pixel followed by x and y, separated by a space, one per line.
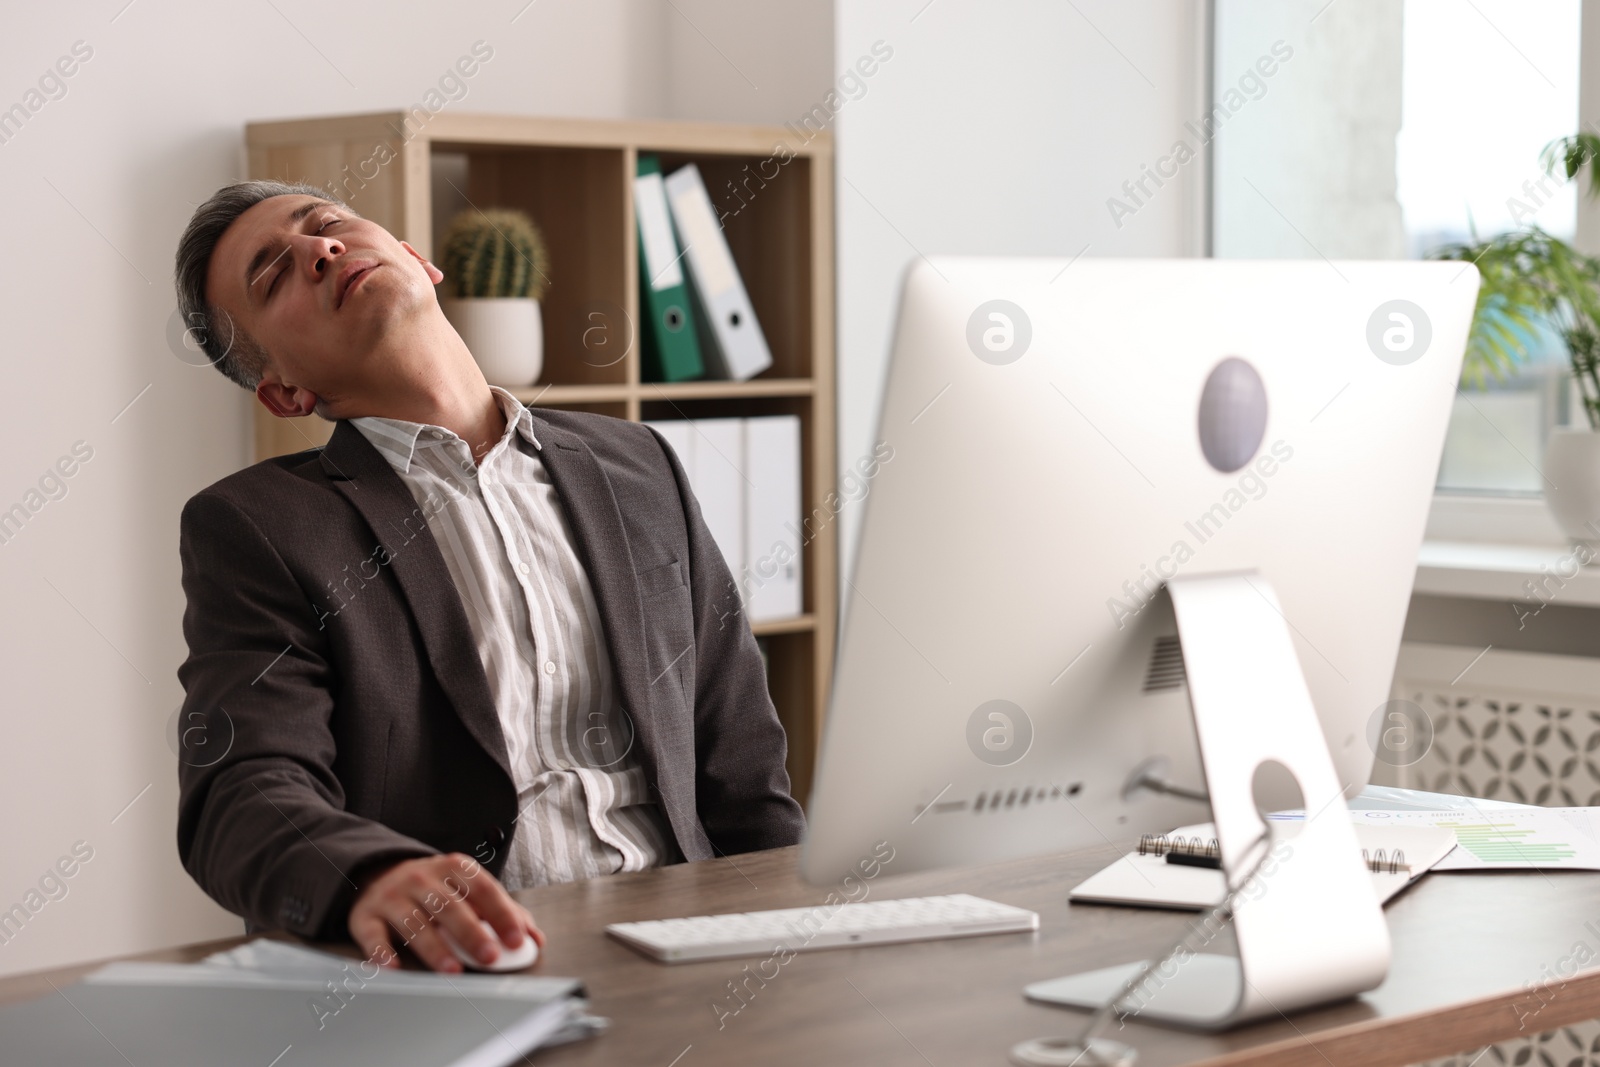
pixel 462 649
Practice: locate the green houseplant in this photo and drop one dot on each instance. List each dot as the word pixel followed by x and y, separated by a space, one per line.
pixel 496 270
pixel 1531 281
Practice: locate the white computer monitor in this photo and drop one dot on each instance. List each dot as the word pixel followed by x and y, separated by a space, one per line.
pixel 1006 664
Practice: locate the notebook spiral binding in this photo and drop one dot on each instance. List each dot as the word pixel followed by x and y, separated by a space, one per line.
pixel 1386 862
pixel 1379 861
pixel 1161 844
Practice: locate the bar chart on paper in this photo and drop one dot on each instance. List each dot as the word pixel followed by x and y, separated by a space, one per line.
pixel 1505 842
pixel 1509 838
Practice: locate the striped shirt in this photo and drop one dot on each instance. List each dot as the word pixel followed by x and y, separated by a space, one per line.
pixel 584 804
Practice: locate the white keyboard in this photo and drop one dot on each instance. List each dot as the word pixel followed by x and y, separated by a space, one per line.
pixel 868 922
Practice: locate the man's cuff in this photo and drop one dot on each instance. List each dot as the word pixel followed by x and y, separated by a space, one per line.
pixel 298 911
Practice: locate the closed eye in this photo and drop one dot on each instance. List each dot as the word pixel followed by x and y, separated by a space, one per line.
pixel 274 283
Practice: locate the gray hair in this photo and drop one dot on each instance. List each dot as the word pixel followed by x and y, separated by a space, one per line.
pixel 237 355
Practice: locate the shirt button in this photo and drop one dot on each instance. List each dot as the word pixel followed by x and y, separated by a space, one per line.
pixel 438 435
pixel 523 567
pixel 549 666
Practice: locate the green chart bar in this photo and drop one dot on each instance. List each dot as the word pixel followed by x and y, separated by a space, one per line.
pixel 1503 843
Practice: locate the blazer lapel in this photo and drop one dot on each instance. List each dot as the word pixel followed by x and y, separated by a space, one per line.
pixel 602 545
pixel 377 492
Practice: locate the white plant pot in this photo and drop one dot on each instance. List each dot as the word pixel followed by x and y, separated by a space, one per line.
pixel 1572 482
pixel 505 334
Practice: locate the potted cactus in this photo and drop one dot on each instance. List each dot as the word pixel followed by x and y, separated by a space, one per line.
pixel 496 271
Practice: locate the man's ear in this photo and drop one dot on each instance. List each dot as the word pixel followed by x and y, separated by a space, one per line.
pixel 435 275
pixel 285 401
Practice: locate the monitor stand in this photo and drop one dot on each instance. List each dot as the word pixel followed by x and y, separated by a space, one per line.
pixel 1308 926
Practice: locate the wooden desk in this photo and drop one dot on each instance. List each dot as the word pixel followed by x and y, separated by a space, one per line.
pixel 1466 947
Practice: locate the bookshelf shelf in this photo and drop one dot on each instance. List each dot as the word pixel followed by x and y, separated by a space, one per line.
pixel 727 390
pixel 773 189
pixel 796 625
pixel 559 395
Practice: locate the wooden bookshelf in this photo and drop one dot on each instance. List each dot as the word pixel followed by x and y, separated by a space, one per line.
pixel 412 172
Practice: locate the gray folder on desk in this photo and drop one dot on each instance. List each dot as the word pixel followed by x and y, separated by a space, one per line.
pixel 166 1013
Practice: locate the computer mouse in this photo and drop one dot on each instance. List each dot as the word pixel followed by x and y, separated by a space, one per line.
pixel 510 959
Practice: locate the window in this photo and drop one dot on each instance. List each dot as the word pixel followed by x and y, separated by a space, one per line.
pixel 1394 129
pixel 1484 87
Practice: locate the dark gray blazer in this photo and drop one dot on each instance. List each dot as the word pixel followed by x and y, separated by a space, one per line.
pixel 337 717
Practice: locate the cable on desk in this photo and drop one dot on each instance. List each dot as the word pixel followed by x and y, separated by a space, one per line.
pixel 1086 1050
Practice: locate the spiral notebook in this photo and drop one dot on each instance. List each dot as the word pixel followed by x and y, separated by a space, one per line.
pixel 1175 870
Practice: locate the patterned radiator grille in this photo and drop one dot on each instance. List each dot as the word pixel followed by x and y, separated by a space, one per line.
pixel 1531 748
pixel 1570 1046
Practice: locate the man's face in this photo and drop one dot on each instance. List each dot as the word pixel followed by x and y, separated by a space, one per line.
pixel 318 288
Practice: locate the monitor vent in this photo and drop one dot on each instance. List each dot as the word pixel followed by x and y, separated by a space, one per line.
pixel 1166 665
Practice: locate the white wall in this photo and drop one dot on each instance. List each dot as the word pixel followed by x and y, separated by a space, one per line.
pixel 1001 128
pixel 738 61
pixel 96 188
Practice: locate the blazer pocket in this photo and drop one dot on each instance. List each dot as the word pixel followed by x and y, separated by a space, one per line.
pixel 659 579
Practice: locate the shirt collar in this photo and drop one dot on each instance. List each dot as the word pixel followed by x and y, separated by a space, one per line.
pixel 397 440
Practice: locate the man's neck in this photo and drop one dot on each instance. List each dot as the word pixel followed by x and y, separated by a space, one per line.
pixel 444 388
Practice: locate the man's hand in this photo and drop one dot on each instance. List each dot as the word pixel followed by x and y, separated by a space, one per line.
pixel 416 897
